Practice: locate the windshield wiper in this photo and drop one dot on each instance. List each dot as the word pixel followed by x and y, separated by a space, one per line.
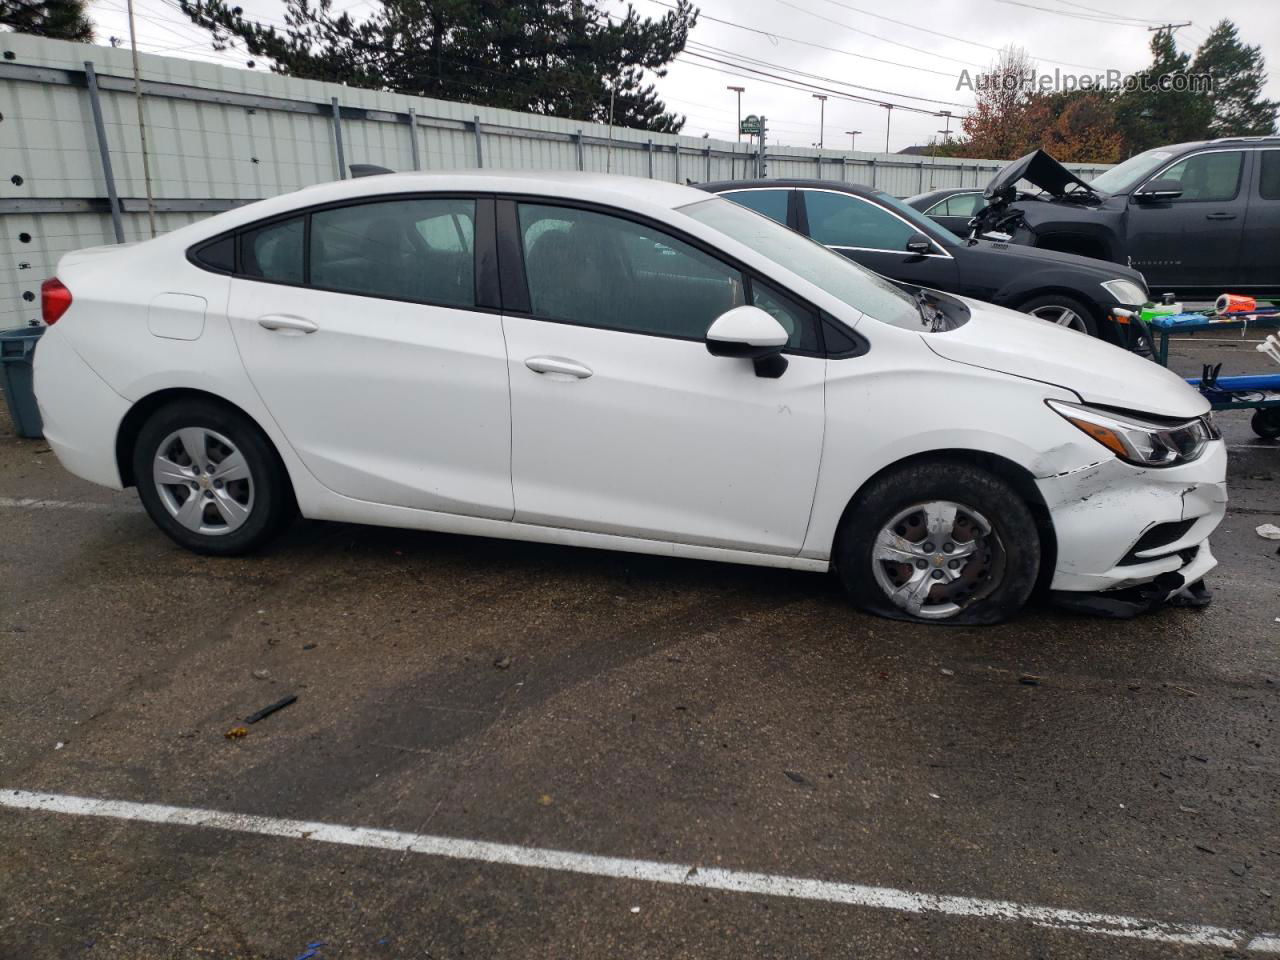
pixel 934 319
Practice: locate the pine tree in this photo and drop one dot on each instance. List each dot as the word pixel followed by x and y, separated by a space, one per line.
pixel 1150 116
pixel 60 19
pixel 1239 74
pixel 567 58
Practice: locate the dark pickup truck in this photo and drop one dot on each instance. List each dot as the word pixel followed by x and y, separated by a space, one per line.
pixel 1197 219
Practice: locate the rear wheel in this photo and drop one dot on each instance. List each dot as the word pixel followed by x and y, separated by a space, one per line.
pixel 940 542
pixel 1062 311
pixel 1266 423
pixel 210 479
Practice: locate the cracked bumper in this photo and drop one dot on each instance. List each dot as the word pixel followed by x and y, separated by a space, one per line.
pixel 1099 512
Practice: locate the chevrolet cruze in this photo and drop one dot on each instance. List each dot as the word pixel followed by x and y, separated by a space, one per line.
pixel 623 364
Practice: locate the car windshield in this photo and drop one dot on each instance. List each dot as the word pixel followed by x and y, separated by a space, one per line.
pixel 857 286
pixel 918 219
pixel 1130 172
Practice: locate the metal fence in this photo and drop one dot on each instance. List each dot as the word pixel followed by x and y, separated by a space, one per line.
pixel 71 168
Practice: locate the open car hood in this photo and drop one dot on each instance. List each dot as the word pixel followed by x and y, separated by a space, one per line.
pixel 1039 169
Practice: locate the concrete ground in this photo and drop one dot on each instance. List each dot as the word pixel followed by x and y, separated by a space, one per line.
pixel 711 717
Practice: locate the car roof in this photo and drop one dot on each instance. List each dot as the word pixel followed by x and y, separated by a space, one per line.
pixel 939 194
pixel 719 186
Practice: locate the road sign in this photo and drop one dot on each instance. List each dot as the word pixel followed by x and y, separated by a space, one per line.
pixel 750 124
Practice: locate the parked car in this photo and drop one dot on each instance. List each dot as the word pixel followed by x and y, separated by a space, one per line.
pixel 1195 218
pixel 952 207
pixel 897 241
pixel 624 364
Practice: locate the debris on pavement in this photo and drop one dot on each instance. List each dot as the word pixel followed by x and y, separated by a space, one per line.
pixel 262 674
pixel 235 733
pixel 310 646
pixel 313 950
pixel 1203 849
pixel 59 745
pixel 795 777
pixel 502 663
pixel 271 708
pixel 1269 531
pixel 545 800
pixel 635 909
pixel 948 673
pixel 1030 680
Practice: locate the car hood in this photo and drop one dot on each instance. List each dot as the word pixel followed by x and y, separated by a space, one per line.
pixel 1039 257
pixel 1097 372
pixel 1037 168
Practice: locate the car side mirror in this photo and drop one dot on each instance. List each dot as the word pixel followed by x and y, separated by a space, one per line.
pixel 919 245
pixel 1159 190
pixel 751 334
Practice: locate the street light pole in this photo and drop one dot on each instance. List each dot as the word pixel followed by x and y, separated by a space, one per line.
pixel 822 116
pixel 853 139
pixel 888 118
pixel 946 134
pixel 738 91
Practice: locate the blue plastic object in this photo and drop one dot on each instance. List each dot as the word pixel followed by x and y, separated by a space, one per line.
pixel 17 348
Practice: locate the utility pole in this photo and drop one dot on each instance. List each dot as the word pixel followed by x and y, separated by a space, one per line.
pixel 888 118
pixel 738 91
pixel 853 138
pixel 822 117
pixel 1171 27
pixel 946 134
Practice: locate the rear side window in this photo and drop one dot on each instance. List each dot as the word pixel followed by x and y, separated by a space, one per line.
pixel 418 250
pixel 274 252
pixel 219 255
pixel 772 203
pixel 1207 176
pixel 1269 183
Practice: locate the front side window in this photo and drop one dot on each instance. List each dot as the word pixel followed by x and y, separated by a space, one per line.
pixel 598 270
pixel 418 250
pixel 1207 176
pixel 841 220
pixel 961 205
pixel 772 203
pixel 274 252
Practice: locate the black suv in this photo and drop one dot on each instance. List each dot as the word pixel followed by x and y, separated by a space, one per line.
pixel 1197 219
pixel 883 233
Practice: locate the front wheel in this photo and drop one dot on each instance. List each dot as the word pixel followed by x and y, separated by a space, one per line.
pixel 1062 311
pixel 939 542
pixel 1266 423
pixel 210 479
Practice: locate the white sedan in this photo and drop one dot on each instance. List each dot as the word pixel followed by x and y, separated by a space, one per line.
pixel 624 364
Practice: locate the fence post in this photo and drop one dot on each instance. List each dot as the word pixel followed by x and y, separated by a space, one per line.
pixel 844 169
pixel 708 164
pixel 95 104
pixel 577 137
pixel 413 138
pixel 872 161
pixel 676 148
pixel 337 137
pixel 649 149
pixel 920 183
pixel 479 145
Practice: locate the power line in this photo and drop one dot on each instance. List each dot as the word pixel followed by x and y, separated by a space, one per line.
pixel 1077 16
pixel 1106 13
pixel 876 36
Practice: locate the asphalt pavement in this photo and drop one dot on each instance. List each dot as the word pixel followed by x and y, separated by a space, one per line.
pixel 512 750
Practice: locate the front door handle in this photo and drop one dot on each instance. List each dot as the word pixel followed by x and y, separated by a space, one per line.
pixel 277 321
pixel 1219 216
pixel 559 367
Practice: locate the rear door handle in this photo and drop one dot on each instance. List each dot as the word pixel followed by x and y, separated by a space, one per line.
pixel 559 367
pixel 1219 216
pixel 277 321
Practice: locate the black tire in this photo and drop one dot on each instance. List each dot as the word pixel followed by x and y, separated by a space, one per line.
pixel 1266 423
pixel 1012 558
pixel 1088 316
pixel 272 506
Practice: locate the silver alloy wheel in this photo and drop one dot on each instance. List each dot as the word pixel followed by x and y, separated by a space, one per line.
pixel 1061 316
pixel 203 481
pixel 932 559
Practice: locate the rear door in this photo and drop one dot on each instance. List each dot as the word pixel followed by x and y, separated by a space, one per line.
pixel 361 328
pixel 1192 241
pixel 1260 245
pixel 873 236
pixel 622 422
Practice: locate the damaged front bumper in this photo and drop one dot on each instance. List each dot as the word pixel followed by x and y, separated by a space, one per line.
pixel 1135 532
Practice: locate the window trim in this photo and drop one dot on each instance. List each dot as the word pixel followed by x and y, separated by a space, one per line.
pixel 512 243
pixel 1243 152
pixel 948 199
pixel 914 228
pixel 484 261
pixel 1257 193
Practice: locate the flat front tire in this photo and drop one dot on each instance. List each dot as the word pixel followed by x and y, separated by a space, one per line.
pixel 939 542
pixel 210 479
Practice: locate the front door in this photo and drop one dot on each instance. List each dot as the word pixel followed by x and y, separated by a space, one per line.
pixel 876 238
pixel 1194 240
pixel 360 331
pixel 622 422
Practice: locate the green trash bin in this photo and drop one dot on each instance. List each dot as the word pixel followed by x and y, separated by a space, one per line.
pixel 17 349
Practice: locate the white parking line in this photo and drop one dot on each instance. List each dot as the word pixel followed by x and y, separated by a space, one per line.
pixel 673 874
pixel 32 503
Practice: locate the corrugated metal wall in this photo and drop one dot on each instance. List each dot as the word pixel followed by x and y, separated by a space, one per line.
pixel 217 136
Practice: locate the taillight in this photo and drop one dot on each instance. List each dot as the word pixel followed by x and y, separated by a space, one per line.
pixel 54 300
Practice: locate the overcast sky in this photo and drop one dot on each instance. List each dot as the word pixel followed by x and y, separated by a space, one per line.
pixel 913 52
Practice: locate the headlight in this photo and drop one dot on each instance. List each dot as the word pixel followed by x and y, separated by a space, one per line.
pixel 1126 292
pixel 1141 440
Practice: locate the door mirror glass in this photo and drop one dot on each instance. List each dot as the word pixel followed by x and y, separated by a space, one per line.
pixel 1165 189
pixel 919 245
pixel 752 334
